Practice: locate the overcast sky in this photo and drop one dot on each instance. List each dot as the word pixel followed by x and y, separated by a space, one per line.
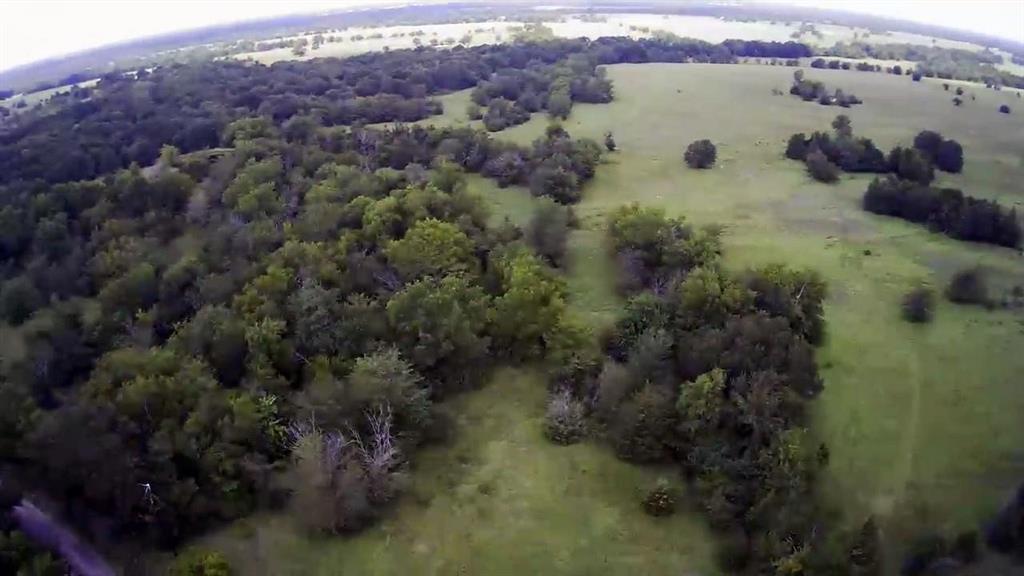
pixel 32 30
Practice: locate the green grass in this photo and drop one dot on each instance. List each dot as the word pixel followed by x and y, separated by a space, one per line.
pixel 923 422
pixel 500 499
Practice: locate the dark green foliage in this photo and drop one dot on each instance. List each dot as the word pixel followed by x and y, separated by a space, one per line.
pixel 919 305
pixel 911 164
pixel 741 350
pixel 1004 109
pixel 548 231
pixel 968 287
pixel 19 298
pixel 700 154
pixel 944 210
pixel 946 155
pixel 820 168
pixel 796 148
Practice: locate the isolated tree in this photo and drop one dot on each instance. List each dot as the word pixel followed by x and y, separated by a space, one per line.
pixel 968 286
pixel 609 142
pixel 474 112
pixel 842 126
pixel 916 77
pixel 919 305
pixel 1004 109
pixel 700 154
pixel 959 91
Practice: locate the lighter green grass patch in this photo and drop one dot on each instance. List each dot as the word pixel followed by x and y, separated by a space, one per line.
pixel 499 500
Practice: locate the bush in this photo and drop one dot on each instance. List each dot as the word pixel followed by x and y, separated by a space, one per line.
pixel 548 230
pixel 968 287
pixel 200 563
pixel 796 148
pixel 474 112
pixel 700 154
pixel 660 501
pixel 919 305
pixel 564 423
pixel 1004 109
pixel 820 168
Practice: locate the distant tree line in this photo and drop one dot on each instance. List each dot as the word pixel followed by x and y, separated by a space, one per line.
pixel 935 61
pixel 813 90
pixel 126 120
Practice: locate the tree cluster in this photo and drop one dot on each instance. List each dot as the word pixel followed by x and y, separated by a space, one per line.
pixel 715 371
pixel 127 118
pixel 944 210
pixel 826 154
pixel 815 90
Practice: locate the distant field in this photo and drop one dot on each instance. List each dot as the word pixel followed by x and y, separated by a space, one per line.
pixel 500 500
pixel 34 98
pixel 634 25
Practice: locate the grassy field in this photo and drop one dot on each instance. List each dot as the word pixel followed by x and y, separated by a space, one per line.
pixel 500 499
pixel 924 422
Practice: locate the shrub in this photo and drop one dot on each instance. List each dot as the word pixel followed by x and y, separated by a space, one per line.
pixel 796 148
pixel 643 423
pixel 1004 109
pixel 660 501
pixel 819 167
pixel 200 563
pixel 474 112
pixel 564 423
pixel 548 230
pixel 968 287
pixel 700 154
pixel 609 142
pixel 919 305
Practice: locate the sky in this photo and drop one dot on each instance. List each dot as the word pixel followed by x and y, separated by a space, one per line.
pixel 32 30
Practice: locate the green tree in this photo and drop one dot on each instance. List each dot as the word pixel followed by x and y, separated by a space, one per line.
pixel 528 312
pixel 700 154
pixel 548 231
pixel 434 248
pixel 440 324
